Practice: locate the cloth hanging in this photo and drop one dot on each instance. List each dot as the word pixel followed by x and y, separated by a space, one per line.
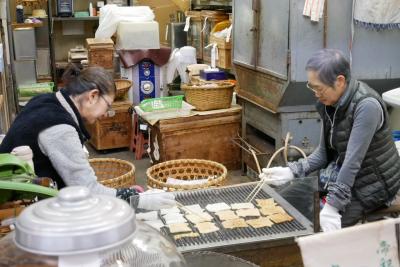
pixel 178 61
pixel 130 58
pixel 367 245
pixel 314 9
pixel 377 14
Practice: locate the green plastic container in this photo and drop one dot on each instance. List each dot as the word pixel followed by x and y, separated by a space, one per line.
pixel 161 103
pixel 35 89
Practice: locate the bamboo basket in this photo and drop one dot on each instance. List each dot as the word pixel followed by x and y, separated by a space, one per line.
pixel 186 169
pixel 209 96
pixel 115 173
pixel 122 87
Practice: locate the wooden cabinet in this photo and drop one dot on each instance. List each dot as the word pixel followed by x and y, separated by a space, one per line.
pixel 207 136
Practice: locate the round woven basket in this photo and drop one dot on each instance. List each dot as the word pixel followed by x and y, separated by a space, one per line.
pixel 186 169
pixel 209 96
pixel 122 86
pixel 115 173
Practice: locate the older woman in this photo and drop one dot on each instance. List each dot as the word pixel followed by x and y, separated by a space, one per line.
pixel 357 158
pixel 53 126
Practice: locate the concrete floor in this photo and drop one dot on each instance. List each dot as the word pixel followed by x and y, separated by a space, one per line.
pixel 234 177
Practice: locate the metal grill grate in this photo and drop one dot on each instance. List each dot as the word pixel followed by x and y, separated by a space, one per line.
pixel 228 237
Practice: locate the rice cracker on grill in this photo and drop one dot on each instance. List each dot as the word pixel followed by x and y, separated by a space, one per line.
pixel 179 228
pixel 271 210
pixel 191 234
pixel 265 202
pixel 280 218
pixel 260 222
pixel 226 215
pixel 237 223
pixel 248 213
pixel 218 207
pixel 240 206
pixel 206 227
pixel 199 217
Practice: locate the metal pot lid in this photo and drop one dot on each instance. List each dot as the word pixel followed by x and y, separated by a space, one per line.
pixel 75 222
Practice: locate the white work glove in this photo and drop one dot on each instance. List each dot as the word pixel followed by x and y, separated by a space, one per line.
pixel 156 199
pixel 330 219
pixel 276 175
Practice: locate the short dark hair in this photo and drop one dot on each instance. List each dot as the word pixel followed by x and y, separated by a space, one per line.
pixel 329 63
pixel 78 81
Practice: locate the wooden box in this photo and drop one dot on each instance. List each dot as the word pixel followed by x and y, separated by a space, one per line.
pixel 100 52
pixel 207 136
pixel 112 132
pixel 102 57
pixel 224 52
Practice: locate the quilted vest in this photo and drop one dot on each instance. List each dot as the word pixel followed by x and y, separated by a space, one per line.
pixel 378 179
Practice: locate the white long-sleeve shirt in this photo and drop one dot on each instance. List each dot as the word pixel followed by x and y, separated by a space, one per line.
pixel 61 144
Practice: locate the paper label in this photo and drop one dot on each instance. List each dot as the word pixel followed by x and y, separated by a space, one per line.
pixel 1 58
pixel 228 35
pixel 214 55
pixel 166 33
pixel 187 24
pixel 205 24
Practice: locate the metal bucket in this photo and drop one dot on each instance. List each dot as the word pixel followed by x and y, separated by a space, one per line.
pixel 212 259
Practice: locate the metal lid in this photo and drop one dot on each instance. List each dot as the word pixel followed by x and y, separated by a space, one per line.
pixel 74 222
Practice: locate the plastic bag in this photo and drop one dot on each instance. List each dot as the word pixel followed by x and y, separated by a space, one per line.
pixel 111 15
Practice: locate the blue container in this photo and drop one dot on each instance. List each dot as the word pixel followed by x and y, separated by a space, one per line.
pixel 396 135
pixel 214 75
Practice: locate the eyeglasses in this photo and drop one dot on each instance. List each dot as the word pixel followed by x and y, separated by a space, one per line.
pixel 110 110
pixel 317 92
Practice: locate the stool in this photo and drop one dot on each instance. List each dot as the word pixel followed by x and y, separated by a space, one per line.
pixel 138 141
pixel 392 211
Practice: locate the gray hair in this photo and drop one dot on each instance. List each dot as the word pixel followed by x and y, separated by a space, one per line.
pixel 78 81
pixel 329 63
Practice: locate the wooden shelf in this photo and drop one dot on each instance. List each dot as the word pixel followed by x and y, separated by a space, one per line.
pixel 75 18
pixel 26 25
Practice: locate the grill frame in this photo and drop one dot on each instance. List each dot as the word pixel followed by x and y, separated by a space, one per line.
pixel 240 239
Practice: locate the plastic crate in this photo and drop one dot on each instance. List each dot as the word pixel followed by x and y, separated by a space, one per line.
pixel 34 89
pixel 161 103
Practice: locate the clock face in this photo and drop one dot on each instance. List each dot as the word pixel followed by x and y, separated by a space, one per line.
pixel 118 2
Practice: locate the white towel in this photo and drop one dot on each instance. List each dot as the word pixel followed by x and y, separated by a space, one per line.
pixel 314 9
pixel 367 245
pixel 377 14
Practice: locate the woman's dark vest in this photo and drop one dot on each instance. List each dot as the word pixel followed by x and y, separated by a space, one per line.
pixel 378 179
pixel 40 113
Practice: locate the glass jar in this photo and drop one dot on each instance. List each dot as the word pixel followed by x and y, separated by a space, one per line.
pixel 79 228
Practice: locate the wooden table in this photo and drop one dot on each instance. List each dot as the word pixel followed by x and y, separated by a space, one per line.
pixel 206 135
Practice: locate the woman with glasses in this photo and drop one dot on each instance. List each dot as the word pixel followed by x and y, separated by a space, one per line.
pixel 52 125
pixel 358 163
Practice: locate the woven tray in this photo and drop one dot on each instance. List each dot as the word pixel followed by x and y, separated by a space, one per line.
pixel 186 169
pixel 209 96
pixel 115 173
pixel 122 87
